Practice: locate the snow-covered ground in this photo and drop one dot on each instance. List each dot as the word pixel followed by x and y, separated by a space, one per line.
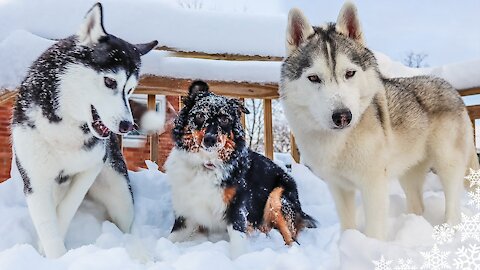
pixel 251 27
pixel 97 244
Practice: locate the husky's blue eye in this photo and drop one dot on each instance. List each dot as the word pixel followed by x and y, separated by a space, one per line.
pixel 314 79
pixel 110 83
pixel 349 74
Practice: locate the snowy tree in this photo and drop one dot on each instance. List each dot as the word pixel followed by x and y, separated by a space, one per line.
pixel 255 126
pixel 417 60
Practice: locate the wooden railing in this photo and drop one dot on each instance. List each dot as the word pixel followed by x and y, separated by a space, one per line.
pixel 156 85
pixel 474 110
pixel 153 85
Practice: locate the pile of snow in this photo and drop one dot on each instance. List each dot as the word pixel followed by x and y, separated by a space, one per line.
pixel 97 244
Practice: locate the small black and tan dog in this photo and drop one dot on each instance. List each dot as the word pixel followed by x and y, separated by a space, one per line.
pixel 218 183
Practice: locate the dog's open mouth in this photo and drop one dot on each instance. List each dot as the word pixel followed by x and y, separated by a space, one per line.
pixel 98 126
pixel 209 165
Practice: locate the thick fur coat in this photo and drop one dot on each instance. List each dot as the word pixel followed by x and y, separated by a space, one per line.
pixel 218 183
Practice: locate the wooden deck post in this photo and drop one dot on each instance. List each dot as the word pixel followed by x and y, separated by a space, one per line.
pixel 268 128
pixel 294 149
pixel 151 103
pixel 244 121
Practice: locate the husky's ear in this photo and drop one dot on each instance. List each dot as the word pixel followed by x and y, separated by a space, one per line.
pixel 197 87
pixel 348 23
pixel 146 47
pixel 298 29
pixel 92 28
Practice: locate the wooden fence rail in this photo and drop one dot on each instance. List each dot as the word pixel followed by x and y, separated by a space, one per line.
pixel 157 85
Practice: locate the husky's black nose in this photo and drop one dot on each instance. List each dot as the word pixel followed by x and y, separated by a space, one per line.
pixel 341 118
pixel 209 140
pixel 125 126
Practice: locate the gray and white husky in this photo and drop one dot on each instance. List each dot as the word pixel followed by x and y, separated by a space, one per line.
pixel 357 129
pixel 73 100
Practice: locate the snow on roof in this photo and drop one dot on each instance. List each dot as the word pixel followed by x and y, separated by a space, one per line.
pixel 20 48
pixel 189 28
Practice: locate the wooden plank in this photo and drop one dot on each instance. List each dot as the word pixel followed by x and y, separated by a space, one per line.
pixel 268 128
pixel 151 103
pixel 469 91
pixel 120 142
pixel 243 119
pixel 7 96
pixel 218 56
pixel 294 149
pixel 474 113
pixel 179 87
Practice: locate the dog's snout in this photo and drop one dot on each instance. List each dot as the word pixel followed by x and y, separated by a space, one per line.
pixel 209 140
pixel 341 118
pixel 125 126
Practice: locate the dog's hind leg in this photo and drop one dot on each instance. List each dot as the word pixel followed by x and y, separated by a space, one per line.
pixel 68 206
pixel 451 173
pixel 345 205
pixel 112 189
pixel 412 184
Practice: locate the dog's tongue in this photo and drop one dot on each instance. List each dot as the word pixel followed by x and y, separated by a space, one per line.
pixel 209 165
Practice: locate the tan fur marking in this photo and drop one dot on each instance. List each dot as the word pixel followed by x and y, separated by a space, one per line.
pixel 273 217
pixel 193 139
pixel 226 151
pixel 228 194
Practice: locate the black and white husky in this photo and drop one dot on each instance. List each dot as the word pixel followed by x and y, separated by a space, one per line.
pixel 218 184
pixel 73 99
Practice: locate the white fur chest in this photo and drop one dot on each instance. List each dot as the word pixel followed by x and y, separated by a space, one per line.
pixel 60 146
pixel 196 191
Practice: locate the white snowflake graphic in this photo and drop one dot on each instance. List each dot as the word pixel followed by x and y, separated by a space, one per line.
pixel 474 198
pixel 382 264
pixel 468 258
pixel 470 227
pixel 473 177
pixel 405 264
pixel 435 259
pixel 443 233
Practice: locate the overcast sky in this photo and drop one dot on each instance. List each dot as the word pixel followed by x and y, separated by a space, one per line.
pixel 447 30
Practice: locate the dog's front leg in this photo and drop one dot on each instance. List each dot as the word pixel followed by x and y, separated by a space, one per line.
pixel 345 205
pixel 238 241
pixel 42 211
pixel 67 208
pixel 182 230
pixel 376 203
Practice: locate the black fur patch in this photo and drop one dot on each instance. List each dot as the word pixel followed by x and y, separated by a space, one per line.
pixel 85 128
pixel 114 158
pixel 91 143
pixel 61 178
pixel 179 224
pixel 27 187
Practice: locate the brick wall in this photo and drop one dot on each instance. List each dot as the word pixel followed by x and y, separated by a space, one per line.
pixel 135 157
pixel 5 146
